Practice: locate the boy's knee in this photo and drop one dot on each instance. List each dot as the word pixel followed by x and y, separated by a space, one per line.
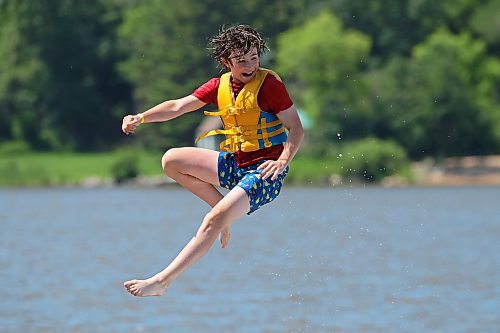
pixel 213 221
pixel 168 160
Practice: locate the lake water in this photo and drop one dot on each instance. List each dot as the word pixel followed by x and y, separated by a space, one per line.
pixel 316 260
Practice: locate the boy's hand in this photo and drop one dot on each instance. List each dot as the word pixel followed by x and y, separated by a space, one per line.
pixel 130 123
pixel 272 169
pixel 225 234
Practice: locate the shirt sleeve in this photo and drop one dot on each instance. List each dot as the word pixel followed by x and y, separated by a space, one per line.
pixel 207 93
pixel 273 96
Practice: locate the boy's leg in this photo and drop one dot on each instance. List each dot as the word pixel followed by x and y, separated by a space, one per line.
pixel 196 170
pixel 233 206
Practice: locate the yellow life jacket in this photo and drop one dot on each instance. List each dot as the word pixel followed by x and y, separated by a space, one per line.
pixel 246 126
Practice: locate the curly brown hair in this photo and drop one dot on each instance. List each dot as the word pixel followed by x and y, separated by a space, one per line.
pixel 240 37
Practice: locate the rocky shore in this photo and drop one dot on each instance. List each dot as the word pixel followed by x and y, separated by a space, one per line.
pixel 459 171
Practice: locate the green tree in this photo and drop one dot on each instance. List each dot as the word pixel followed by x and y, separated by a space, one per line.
pixel 165 61
pixel 324 72
pixel 23 76
pixel 395 26
pixel 62 88
pixel 443 101
pixel 485 23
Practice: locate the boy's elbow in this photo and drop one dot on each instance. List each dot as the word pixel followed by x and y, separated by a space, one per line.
pixel 301 134
pixel 297 132
pixel 298 129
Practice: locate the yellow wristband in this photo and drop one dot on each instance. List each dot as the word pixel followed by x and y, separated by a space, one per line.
pixel 141 117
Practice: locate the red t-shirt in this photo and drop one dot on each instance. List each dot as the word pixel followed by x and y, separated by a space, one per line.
pixel 273 97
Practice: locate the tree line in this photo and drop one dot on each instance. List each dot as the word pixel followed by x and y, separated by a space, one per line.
pixel 422 74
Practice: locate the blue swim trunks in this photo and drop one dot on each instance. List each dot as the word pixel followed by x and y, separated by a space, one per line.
pixel 260 192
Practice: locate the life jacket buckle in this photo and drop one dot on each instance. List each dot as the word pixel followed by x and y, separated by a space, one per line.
pixel 232 111
pixel 239 139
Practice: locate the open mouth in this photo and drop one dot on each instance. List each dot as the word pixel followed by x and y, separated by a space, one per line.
pixel 247 75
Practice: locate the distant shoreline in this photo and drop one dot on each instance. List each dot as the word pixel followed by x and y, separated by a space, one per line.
pixel 460 171
pixel 94 170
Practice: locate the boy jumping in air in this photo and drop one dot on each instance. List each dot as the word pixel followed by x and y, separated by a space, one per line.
pixel 255 109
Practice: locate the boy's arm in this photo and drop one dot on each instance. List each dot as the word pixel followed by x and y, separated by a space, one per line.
pixel 290 119
pixel 162 112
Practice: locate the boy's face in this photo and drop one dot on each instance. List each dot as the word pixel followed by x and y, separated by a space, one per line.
pixel 243 67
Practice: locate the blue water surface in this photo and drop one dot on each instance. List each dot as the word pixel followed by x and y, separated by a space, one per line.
pixel 315 260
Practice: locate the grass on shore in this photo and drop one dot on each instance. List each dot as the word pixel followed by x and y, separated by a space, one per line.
pixel 28 169
pixel 54 169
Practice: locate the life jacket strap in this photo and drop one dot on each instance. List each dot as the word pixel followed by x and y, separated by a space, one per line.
pixel 233 141
pixel 246 131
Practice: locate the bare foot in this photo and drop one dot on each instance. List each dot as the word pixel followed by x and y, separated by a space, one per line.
pixel 148 287
pixel 225 234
